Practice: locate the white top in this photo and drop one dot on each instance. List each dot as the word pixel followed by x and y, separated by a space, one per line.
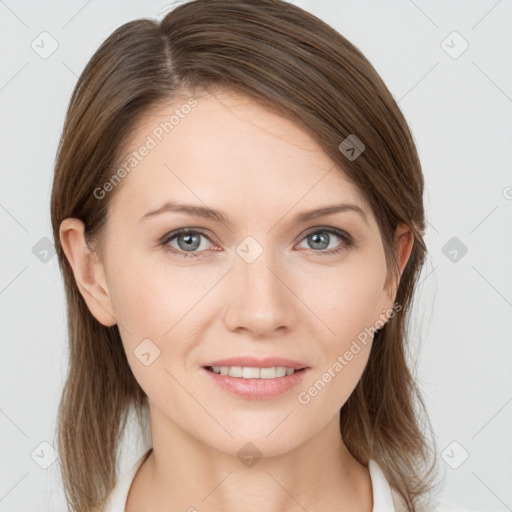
pixel 385 499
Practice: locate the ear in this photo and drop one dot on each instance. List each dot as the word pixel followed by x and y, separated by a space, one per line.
pixel 87 269
pixel 404 241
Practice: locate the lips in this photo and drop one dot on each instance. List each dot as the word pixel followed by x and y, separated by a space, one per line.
pixel 257 362
pixel 255 389
pixel 261 388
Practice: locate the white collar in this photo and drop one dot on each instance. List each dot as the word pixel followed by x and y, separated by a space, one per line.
pixel 382 497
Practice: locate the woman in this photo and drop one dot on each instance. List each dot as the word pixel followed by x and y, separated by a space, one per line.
pixel 238 212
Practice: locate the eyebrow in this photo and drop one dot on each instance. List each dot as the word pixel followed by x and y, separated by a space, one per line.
pixel 219 216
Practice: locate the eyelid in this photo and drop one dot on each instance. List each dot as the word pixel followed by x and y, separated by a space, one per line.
pixel 183 231
pixel 330 229
pixel 348 240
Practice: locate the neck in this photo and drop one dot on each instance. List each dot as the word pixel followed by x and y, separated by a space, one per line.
pixel 182 473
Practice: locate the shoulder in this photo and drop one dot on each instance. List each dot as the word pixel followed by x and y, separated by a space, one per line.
pixel 387 499
pixel 116 501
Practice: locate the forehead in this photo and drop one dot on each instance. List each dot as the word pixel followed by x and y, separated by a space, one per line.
pixel 226 147
pixel 229 118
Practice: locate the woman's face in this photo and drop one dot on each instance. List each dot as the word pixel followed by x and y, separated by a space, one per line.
pixel 262 284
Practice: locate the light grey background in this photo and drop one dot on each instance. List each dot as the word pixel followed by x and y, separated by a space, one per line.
pixel 459 108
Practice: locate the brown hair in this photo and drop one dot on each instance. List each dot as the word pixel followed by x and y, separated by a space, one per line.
pixel 300 67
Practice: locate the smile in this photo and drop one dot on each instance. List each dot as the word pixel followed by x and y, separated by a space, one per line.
pixel 253 383
pixel 249 372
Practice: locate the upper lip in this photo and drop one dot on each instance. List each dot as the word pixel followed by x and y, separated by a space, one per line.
pixel 258 362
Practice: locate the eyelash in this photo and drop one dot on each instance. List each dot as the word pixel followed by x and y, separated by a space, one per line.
pixel 347 239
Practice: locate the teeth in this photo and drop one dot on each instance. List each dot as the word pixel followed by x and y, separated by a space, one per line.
pixel 247 372
pixel 250 373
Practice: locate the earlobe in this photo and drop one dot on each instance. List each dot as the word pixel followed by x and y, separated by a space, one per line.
pixel 87 270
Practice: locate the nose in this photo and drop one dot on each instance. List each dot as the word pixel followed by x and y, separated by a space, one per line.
pixel 261 299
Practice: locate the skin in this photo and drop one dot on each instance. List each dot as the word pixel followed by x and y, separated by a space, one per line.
pixel 261 170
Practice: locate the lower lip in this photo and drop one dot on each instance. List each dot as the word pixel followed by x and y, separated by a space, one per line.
pixel 257 389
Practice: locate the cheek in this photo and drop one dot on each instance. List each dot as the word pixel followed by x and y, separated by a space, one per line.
pixel 350 310
pixel 149 310
pixel 143 302
pixel 135 299
pixel 159 301
pixel 349 300
pixel 148 293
